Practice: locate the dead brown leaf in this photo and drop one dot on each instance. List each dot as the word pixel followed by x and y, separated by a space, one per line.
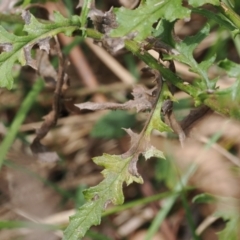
pixel 143 100
pixel 51 119
pixel 104 22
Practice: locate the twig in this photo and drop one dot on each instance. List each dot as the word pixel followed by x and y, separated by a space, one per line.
pixel 51 119
pixel 111 62
pixel 194 116
pixel 205 224
pixel 77 57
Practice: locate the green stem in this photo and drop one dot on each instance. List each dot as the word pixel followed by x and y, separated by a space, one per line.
pixel 84 14
pixel 230 14
pixel 168 203
pixel 19 118
pixel 136 203
pixel 166 73
pixel 189 216
pixel 94 34
pixel 212 100
pixel 236 40
pixel 22 224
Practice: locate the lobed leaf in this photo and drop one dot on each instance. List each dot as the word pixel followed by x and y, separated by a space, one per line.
pixel 109 190
pixel 153 152
pixel 230 214
pixel 141 145
pixel 18 48
pixel 86 216
pixel 165 36
pixel 217 17
pixel 228 210
pixel 186 48
pixel 141 19
pixel 118 169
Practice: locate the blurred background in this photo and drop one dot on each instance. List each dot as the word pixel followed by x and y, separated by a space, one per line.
pixel 46 193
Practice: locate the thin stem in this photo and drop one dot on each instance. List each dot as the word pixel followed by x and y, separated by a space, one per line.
pixel 94 34
pixel 18 120
pixel 212 100
pixel 189 216
pixel 24 224
pixel 230 14
pixel 168 203
pixel 136 203
pixel 165 72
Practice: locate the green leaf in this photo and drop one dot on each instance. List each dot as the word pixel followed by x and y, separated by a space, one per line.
pixel 186 48
pixel 87 215
pixel 153 152
pixel 156 122
pixel 222 101
pixel 118 165
pixel 197 3
pixel 206 64
pixel 84 14
pixel 164 171
pixel 141 19
pixel 109 190
pixel 165 36
pixel 18 48
pixel 9 57
pixel 233 70
pixel 217 17
pixel 96 235
pixel 204 198
pixel 229 210
pixel 232 229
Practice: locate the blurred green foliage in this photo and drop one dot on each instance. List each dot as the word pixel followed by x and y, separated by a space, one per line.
pixel 111 125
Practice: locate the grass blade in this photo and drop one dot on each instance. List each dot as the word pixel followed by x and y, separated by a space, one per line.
pixel 19 118
pixel 169 202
